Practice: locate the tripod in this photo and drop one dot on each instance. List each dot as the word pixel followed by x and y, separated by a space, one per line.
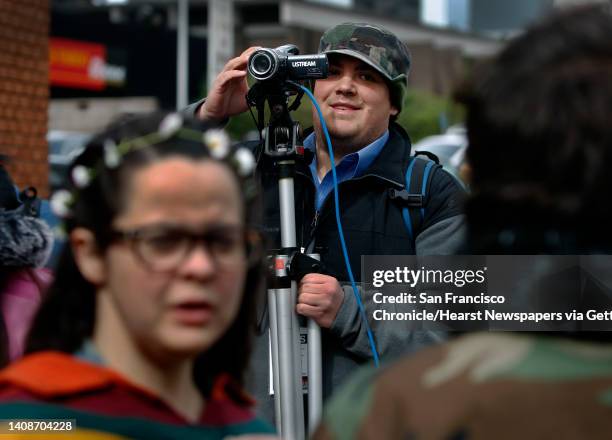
pixel 281 143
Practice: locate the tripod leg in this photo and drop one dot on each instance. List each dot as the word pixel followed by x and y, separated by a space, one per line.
pixel 285 310
pixel 290 371
pixel 297 359
pixel 315 379
pixel 275 379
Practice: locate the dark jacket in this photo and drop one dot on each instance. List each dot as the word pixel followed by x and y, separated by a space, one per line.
pixel 371 219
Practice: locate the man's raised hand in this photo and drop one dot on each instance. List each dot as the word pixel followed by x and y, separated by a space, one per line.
pixel 227 94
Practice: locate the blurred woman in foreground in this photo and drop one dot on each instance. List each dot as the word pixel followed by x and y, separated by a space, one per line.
pixel 145 331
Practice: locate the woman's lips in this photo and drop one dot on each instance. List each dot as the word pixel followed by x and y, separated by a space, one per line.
pixel 193 313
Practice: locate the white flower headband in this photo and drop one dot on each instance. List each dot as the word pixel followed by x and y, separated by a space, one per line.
pixel 216 140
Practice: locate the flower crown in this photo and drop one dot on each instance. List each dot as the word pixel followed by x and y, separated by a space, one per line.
pixel 216 140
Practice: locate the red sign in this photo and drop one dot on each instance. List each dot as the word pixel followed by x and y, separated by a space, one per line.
pixel 77 64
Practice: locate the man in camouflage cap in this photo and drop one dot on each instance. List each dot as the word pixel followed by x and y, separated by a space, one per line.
pixel 359 100
pixel 375 46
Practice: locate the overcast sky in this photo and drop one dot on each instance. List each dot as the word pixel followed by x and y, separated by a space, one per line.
pixel 434 12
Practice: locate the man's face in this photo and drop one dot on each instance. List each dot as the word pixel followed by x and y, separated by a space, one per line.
pixel 355 103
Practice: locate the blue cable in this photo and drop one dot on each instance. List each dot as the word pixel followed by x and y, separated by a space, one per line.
pixel 364 317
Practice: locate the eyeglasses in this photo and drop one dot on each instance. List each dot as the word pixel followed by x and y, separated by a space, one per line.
pixel 164 248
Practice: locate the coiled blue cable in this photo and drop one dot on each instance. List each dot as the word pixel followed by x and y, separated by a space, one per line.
pixel 362 311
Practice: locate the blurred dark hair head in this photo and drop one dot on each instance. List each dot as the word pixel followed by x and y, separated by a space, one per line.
pixel 66 318
pixel 540 139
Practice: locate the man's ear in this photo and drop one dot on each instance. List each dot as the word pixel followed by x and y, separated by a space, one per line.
pixel 87 256
pixel 394 111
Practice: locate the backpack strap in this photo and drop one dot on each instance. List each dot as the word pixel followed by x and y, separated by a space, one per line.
pixel 418 174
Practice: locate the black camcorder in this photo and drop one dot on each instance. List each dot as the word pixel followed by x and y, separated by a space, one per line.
pixel 278 72
pixel 285 63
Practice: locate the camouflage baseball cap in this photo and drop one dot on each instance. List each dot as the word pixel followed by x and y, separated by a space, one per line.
pixel 375 46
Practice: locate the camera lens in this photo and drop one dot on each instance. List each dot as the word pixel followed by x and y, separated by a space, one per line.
pixel 263 64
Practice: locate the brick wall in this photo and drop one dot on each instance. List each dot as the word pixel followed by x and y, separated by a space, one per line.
pixel 24 90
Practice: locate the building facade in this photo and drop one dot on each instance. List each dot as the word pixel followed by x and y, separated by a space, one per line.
pixel 24 90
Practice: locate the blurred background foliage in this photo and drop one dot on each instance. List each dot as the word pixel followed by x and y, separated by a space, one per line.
pixel 423 114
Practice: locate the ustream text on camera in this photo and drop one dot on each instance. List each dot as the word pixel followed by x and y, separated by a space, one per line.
pixel 285 63
pixel 356 182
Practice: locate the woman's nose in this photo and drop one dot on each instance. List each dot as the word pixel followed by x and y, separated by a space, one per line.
pixel 200 262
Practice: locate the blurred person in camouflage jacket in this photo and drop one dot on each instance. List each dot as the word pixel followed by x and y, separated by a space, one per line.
pixel 359 100
pixel 540 151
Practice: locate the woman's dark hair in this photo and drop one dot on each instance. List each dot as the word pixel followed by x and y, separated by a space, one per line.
pixel 66 317
pixel 540 138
